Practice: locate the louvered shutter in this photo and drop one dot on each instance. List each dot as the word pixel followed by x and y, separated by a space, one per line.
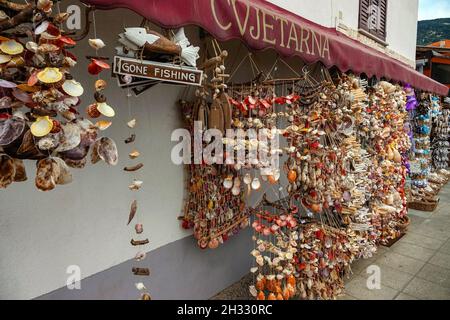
pixel 383 17
pixel 364 14
pixel 372 17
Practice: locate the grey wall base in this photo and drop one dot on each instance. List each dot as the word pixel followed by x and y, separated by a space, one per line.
pixel 179 270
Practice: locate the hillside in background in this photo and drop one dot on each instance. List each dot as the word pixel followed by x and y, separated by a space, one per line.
pixel 430 31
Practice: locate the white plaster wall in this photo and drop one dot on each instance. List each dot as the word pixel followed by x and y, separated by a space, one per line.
pixel 84 223
pixel 402 27
pixel 401 33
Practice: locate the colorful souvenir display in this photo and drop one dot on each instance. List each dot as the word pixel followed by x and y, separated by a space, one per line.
pixel 440 144
pixel 38 103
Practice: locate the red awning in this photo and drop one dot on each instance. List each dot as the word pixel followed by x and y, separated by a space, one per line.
pixel 261 25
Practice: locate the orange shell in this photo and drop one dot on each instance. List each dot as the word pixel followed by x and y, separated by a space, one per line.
pixel 27 88
pixel 271 179
pixel 292 176
pixel 315 207
pixel 271 296
pixel 286 294
pixel 260 284
pixel 280 296
pixel 261 296
pixel 291 280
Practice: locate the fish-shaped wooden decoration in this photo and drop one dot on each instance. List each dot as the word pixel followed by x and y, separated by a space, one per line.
pixel 138 38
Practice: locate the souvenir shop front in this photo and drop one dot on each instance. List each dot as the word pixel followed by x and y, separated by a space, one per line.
pixel 96 185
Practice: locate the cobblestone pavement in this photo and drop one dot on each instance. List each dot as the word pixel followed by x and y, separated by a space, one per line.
pixel 417 267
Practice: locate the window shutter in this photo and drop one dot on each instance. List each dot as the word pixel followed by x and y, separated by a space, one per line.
pixel 383 18
pixel 364 14
pixel 372 17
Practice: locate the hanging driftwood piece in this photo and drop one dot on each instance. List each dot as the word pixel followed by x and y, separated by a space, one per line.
pixel 139 242
pixel 134 168
pixel 133 211
pixel 23 16
pixel 141 271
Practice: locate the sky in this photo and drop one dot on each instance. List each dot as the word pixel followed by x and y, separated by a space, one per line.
pixel 434 9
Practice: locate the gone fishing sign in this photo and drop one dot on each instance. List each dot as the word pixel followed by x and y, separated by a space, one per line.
pixel 143 69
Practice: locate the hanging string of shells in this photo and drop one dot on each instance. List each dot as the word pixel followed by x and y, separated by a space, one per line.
pixel 346 169
pixel 430 124
pixel 39 99
pixel 138 240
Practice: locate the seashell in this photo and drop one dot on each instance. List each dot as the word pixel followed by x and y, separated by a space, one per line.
pixel 47 174
pixel 63 40
pixel 5 102
pixel 292 176
pixel 7 170
pixel 140 286
pixel 41 28
pixel 213 243
pixel 254 269
pixel 140 256
pixel 103 124
pixel 260 261
pixel 20 174
pixel 96 43
pixel 261 296
pixel 16 62
pixel 256 184
pixel 133 211
pixel 100 85
pixel 42 126
pixel 50 75
pixel 47 48
pixel 48 143
pixel 131 124
pixel 21 96
pixel 96 66
pixel 10 130
pixel 7 84
pixel 228 182
pixel 11 47
pixel 139 228
pixel 92 111
pixel 65 176
pixel 134 154
pixel 70 138
pixel 5 58
pixel 253 291
pixel 61 17
pixel 397 156
pixel 146 297
pixel 136 185
pixel 77 164
pixel 26 88
pixel 68 61
pixel 107 151
pixel 105 110
pixel 247 179
pixel 45 5
pixel 3 16
pixel 73 88
pixel 236 191
pixel 266 231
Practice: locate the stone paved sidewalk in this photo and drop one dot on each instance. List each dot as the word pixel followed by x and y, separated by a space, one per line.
pixel 417 267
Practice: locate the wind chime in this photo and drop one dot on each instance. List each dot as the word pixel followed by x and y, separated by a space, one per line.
pixel 138 241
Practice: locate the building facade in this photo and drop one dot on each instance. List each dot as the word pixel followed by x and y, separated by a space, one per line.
pixel 80 230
